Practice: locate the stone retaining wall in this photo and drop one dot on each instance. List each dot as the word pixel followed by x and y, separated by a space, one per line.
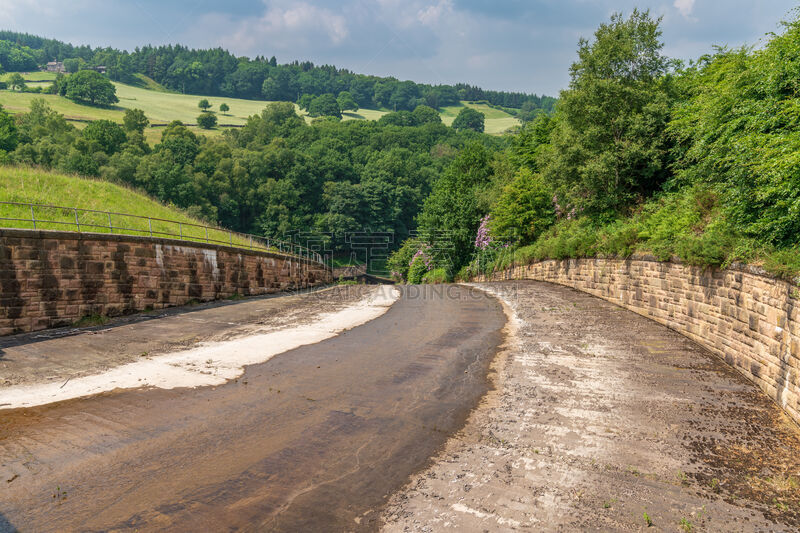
pixel 750 320
pixel 53 278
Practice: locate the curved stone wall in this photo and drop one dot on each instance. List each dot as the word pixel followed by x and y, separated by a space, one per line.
pixel 53 278
pixel 749 319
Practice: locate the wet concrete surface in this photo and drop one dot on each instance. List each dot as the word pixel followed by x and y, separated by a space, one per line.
pixel 69 353
pixel 316 439
pixel 600 417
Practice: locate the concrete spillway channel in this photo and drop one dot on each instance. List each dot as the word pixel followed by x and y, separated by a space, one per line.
pixel 508 406
pixel 315 438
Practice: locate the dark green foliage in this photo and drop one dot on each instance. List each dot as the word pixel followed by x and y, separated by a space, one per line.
pixel 524 210
pixel 450 215
pixel 207 120
pixel 224 108
pixel 217 72
pixel 8 132
pixel 739 130
pixel 469 119
pixel 73 64
pixel 16 81
pixel 135 120
pixel 398 118
pixel 324 106
pixel 275 176
pixel 346 102
pixel 204 104
pixel 426 115
pixel 91 87
pixel 400 260
pixel 608 144
pixel 108 135
pixel 16 57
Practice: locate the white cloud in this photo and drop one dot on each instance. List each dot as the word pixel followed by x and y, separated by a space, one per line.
pixel 289 25
pixel 16 11
pixel 430 15
pixel 685 7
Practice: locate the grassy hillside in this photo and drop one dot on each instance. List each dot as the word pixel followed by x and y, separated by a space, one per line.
pixel 497 121
pixel 162 107
pixel 39 187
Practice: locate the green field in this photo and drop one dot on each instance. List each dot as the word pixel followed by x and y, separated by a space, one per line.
pixel 162 107
pixel 25 185
pixel 497 121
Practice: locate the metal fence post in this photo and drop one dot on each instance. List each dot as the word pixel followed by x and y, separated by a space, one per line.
pixel 180 229
pixel 251 242
pixel 33 217
pixel 110 227
pixel 150 225
pixel 77 222
pixel 206 227
pixel 230 238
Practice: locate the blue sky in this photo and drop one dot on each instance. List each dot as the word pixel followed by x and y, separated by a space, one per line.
pixel 501 44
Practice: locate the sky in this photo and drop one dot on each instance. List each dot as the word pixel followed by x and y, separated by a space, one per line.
pixel 517 45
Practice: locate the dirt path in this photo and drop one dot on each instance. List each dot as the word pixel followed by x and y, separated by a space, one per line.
pixel 315 439
pixel 600 418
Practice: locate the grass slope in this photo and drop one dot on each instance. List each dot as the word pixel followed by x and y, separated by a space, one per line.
pixel 26 185
pixel 497 121
pixel 162 106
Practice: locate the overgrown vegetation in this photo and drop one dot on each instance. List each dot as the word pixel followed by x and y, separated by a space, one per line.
pixel 275 176
pixel 643 155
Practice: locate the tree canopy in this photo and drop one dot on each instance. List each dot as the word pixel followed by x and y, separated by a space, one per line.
pixel 135 120
pixel 469 119
pixel 324 106
pixel 207 120
pixel 90 86
pixel 216 72
pixel 608 147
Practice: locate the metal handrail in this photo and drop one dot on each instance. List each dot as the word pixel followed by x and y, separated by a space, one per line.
pixel 233 239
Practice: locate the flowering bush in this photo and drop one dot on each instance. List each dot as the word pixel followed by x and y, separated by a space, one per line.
pixel 484 238
pixel 423 254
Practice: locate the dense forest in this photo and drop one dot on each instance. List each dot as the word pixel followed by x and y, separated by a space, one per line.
pixel 217 72
pixel 275 176
pixel 644 154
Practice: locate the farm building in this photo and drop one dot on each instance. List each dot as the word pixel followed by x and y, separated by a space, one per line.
pixel 55 66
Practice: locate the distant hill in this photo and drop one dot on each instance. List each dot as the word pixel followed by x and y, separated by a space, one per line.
pixel 163 106
pixel 218 73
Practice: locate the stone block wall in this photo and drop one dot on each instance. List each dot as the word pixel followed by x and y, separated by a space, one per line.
pixel 750 320
pixel 52 278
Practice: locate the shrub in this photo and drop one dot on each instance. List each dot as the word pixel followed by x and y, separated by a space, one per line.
pixel 207 120
pixel 437 275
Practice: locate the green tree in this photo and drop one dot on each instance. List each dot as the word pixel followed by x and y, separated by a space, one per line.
pixel 207 120
pixel 108 135
pixel 204 104
pixel 469 119
pixel 525 208
pixel 224 108
pixel 9 137
pixel 305 101
pixel 16 81
pixel 92 87
pixel 73 64
pixel 426 115
pixel 324 106
pixel 608 147
pixel 346 102
pixel 451 214
pixel 135 120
